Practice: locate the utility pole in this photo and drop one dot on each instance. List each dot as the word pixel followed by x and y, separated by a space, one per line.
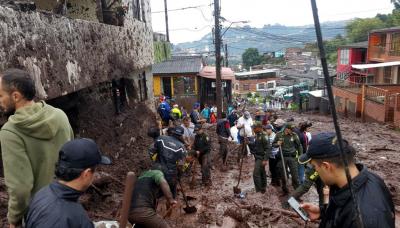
pixel 218 84
pixel 166 19
pixel 226 56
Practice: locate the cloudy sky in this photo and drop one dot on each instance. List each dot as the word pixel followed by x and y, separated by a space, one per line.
pixel 192 24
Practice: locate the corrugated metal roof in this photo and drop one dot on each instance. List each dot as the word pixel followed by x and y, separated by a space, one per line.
pixel 179 65
pixel 356 45
pixel 392 29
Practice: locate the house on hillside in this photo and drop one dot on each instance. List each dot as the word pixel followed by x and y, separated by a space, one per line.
pixel 348 55
pixel 262 81
pixel 187 80
pixel 375 94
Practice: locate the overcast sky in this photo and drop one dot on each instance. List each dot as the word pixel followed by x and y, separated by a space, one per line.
pixel 192 24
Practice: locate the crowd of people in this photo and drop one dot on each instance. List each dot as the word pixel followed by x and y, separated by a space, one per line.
pixel 46 170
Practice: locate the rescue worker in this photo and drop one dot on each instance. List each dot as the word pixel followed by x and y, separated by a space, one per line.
pixel 374 200
pixel 57 205
pixel 261 149
pixel 164 111
pixel 176 113
pixel 202 147
pixel 312 178
pixel 301 131
pixel 170 153
pixel 224 133
pixel 188 134
pixel 273 159
pixel 149 187
pixel 290 146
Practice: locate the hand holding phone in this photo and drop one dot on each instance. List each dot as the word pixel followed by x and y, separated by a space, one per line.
pixel 296 206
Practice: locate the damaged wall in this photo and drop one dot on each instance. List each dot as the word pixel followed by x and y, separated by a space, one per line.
pixel 66 55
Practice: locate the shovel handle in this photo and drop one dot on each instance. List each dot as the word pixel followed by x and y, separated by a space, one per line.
pixel 127 198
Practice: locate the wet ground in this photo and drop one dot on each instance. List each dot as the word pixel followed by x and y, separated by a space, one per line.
pixel 124 139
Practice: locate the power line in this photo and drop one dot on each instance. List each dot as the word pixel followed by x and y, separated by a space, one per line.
pixel 179 9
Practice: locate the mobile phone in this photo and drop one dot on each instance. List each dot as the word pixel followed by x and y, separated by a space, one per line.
pixel 296 206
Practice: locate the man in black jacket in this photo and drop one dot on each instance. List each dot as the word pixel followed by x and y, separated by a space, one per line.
pixel 57 204
pixel 224 133
pixel 202 146
pixel 373 197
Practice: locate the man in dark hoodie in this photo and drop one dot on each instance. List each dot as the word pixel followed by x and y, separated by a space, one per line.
pixel 30 140
pixel 56 205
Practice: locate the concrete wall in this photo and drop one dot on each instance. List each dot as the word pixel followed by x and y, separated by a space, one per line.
pixel 346 101
pixel 66 55
pixel 374 111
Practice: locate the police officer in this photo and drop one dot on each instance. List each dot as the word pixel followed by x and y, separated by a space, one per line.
pixel 224 133
pixel 261 149
pixel 170 152
pixel 290 146
pixel 312 178
pixel 374 201
pixel 202 146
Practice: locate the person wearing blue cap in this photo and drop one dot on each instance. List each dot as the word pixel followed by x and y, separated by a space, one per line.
pixel 372 195
pixel 57 204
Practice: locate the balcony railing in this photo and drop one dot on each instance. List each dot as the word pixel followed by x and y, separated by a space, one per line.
pixel 375 94
pixel 347 85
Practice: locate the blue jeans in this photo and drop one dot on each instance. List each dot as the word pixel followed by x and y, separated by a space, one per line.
pixel 300 169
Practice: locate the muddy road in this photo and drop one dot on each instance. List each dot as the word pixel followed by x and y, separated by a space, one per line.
pixel 124 139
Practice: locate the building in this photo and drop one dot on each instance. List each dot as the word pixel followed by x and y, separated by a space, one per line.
pixel 207 85
pixel 177 78
pixel 375 93
pixel 261 81
pixel 79 56
pixel 348 55
pixel 187 80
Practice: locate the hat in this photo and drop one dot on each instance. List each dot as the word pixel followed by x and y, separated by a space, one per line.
pixel 289 126
pixel 257 124
pixel 322 145
pixel 268 126
pixel 279 122
pixel 197 127
pixel 81 154
pixel 178 130
pixel 246 114
pixel 196 105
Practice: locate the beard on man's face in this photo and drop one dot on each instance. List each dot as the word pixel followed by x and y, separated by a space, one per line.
pixel 9 109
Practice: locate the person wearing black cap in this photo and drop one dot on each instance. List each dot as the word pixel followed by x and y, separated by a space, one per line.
pixel 289 144
pixel 373 197
pixel 149 187
pixel 202 146
pixel 56 205
pixel 170 150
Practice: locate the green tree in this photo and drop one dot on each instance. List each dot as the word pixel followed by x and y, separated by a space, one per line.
pixel 251 57
pixel 396 3
pixel 358 29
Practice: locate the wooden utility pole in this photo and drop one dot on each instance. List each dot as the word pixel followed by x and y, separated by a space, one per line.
pixel 226 56
pixel 166 19
pixel 218 84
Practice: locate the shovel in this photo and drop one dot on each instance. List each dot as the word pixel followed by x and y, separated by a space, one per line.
pixel 236 188
pixel 283 164
pixel 188 209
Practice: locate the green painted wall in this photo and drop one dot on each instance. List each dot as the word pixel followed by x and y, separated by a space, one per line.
pixel 162 51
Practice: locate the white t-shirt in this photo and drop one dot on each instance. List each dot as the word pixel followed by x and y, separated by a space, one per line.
pixel 234 132
pixel 245 125
pixel 188 132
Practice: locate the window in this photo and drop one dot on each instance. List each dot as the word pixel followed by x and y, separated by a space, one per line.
pixel 387 75
pixel 246 87
pixel 236 86
pixel 260 86
pixel 344 56
pixel 137 10
pixel 270 85
pixel 184 85
pixel 395 45
pixel 142 86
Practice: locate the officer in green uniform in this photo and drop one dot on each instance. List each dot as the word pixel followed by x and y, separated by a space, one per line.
pixel 312 177
pixel 202 146
pixel 261 150
pixel 291 148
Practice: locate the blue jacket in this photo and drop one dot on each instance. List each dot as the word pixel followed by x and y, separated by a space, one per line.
pixel 164 110
pixel 57 206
